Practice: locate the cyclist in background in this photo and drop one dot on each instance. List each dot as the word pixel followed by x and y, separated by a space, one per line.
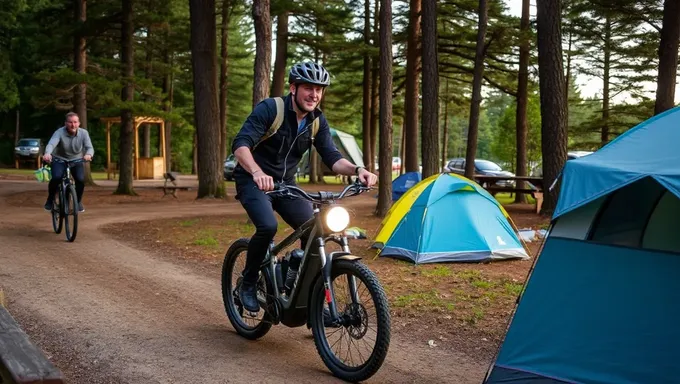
pixel 68 143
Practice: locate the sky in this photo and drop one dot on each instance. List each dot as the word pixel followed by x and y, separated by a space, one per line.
pixel 587 85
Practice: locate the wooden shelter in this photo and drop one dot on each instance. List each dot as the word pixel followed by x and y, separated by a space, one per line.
pixel 146 167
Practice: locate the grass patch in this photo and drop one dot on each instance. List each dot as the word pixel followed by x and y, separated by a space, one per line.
pixel 438 271
pixel 206 238
pixel 512 288
pixel 507 198
pixel 29 172
pixel 420 299
pixel 482 284
pixel 188 223
pixel 470 275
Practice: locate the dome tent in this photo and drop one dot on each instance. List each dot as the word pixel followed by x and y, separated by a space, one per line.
pixel 445 218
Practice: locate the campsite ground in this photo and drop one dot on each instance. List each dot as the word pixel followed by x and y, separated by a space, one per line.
pixel 464 308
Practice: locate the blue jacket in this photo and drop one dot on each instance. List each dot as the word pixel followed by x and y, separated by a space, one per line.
pixel 287 144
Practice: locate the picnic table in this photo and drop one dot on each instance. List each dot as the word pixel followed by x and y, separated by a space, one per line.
pixel 533 186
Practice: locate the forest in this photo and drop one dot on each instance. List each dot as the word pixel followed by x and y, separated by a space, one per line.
pixel 423 80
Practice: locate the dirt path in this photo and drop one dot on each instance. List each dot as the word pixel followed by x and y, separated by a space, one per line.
pixel 107 313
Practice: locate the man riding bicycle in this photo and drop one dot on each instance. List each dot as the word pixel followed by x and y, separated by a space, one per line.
pixel 68 143
pixel 262 159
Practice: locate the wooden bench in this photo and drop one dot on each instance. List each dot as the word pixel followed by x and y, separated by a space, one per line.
pixel 171 189
pixel 112 170
pixel 20 360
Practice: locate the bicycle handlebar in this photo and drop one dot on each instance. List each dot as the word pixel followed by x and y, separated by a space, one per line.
pixel 357 187
pixel 59 160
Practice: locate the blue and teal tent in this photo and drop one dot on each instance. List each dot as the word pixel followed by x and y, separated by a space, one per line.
pixel 444 218
pixel 601 305
pixel 403 183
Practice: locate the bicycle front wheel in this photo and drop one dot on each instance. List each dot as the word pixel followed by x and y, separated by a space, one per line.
pixel 356 347
pixel 71 213
pixel 57 217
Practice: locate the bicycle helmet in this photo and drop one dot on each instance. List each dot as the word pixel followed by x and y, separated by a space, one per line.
pixel 309 72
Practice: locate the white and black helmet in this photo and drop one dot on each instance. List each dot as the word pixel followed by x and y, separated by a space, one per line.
pixel 309 72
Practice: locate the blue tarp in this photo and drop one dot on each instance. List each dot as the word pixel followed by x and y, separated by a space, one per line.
pixel 403 183
pixel 652 148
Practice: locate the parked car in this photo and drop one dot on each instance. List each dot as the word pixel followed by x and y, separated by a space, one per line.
pixel 229 164
pixel 28 149
pixel 538 169
pixel 396 163
pixel 482 167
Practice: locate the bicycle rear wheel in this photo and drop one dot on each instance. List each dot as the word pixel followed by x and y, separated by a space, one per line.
pixel 57 217
pixel 71 213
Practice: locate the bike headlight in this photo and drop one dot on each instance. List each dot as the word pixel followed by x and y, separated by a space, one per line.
pixel 337 219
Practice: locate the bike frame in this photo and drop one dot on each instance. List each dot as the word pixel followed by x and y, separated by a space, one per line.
pixel 65 181
pixel 292 309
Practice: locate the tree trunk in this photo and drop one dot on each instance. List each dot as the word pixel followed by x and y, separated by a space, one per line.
pixel 168 90
pixel 194 156
pixel 375 107
pixel 146 129
pixel 668 56
pixel 224 62
pixel 206 110
pixel 522 101
pixel 80 66
pixel 473 128
pixel 604 136
pixel 553 99
pixel 278 89
pixel 430 128
pixel 17 131
pixel 263 40
pixel 402 146
pixel 445 132
pixel 312 166
pixel 127 128
pixel 385 177
pixel 366 108
pixel 319 170
pixel 412 98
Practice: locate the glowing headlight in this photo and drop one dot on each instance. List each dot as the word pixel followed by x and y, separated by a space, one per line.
pixel 337 219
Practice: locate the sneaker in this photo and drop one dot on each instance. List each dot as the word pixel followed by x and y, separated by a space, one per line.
pixel 248 296
pixel 49 205
pixel 81 208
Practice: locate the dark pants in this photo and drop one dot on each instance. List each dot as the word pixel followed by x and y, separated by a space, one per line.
pixel 260 208
pixel 58 170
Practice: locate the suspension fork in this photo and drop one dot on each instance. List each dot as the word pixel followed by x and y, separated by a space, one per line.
pixel 326 274
pixel 351 279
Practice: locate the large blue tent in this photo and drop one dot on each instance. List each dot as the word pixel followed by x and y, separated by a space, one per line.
pixel 601 304
pixel 447 217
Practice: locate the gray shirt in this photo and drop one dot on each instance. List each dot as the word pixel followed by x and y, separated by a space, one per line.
pixel 70 147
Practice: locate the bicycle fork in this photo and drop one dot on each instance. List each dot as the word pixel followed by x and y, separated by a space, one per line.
pixel 326 273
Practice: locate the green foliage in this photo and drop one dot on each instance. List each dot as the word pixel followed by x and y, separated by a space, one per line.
pixel 36 76
pixel 504 145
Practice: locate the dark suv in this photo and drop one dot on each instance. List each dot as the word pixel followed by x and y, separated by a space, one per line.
pixel 482 167
pixel 28 149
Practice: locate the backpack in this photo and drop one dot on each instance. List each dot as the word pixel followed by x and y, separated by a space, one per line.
pixel 279 120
